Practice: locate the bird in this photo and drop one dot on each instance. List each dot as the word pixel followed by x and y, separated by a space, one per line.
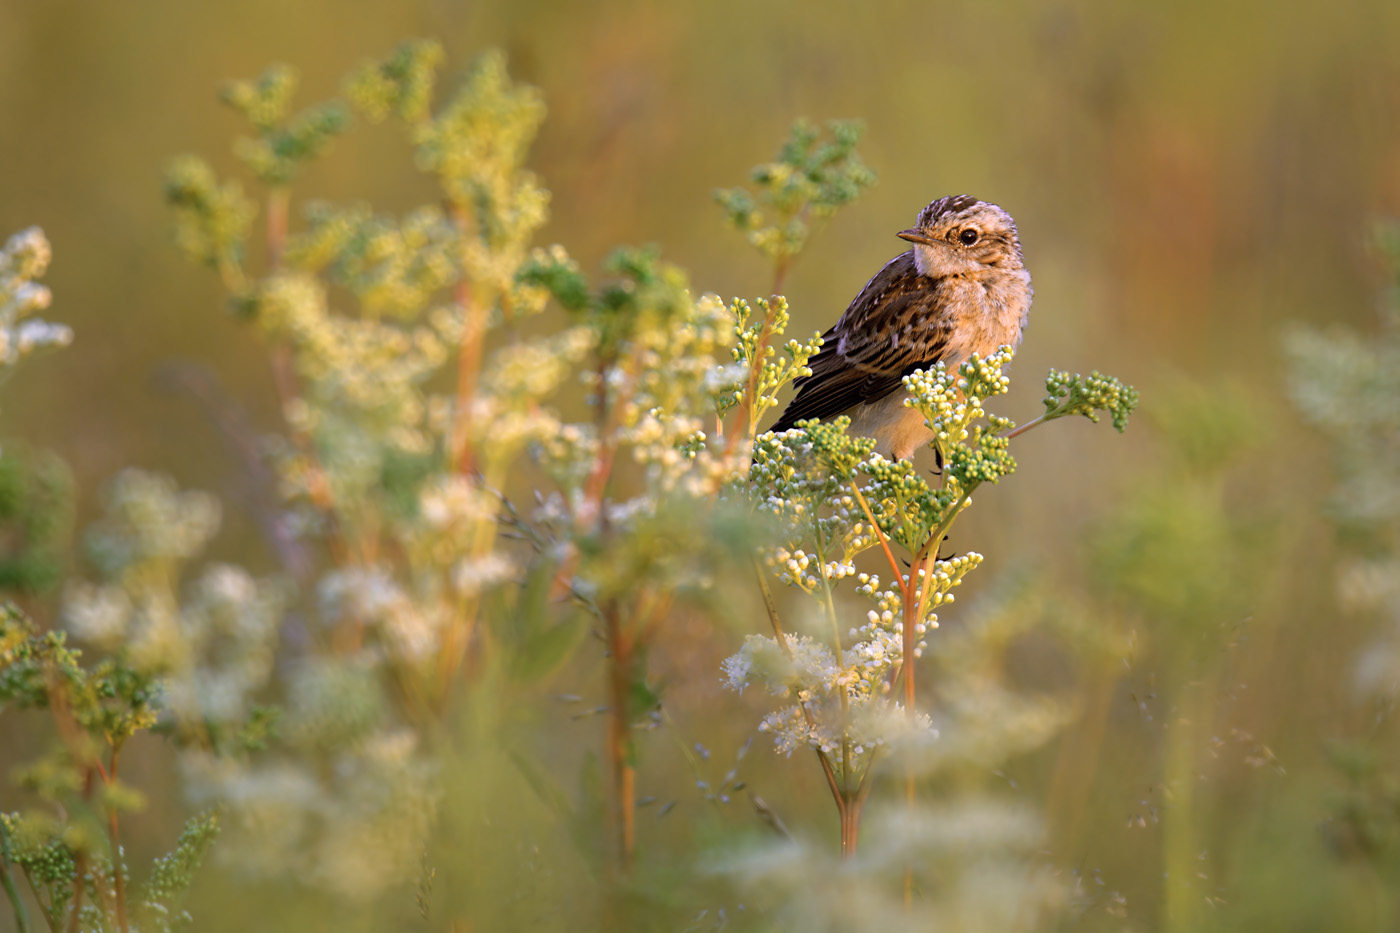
pixel 962 288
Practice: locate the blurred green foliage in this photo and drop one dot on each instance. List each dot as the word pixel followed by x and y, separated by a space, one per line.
pixel 36 517
pixel 808 181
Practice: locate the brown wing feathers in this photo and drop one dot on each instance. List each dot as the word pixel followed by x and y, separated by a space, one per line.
pixel 889 330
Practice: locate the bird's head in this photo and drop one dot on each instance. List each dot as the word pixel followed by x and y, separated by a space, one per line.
pixel 960 235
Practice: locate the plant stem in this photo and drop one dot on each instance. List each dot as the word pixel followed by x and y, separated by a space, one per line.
pixel 1022 429
pixel 780 269
pixel 850 829
pixel 768 602
pixel 620 738
pixel 468 365
pixel 80 868
pixel 47 910
pixel 119 881
pixel 846 804
pixel 1072 785
pixel 884 542
pixel 80 872
pixel 829 604
pixel 590 515
pixel 284 380
pixel 1178 829
pixel 771 605
pixel 910 787
pixel 928 555
pixel 468 352
pixel 8 883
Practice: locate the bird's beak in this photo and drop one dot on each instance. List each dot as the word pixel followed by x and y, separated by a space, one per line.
pixel 915 235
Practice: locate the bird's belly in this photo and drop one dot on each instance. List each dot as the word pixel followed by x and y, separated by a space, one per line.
pixel 898 431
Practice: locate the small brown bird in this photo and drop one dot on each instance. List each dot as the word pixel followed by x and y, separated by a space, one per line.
pixel 961 289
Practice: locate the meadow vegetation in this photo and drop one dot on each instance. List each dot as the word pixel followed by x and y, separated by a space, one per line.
pixel 509 492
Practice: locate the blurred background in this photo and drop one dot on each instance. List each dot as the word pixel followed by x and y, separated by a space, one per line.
pixel 1189 179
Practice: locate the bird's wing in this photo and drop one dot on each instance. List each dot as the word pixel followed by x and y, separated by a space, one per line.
pixel 891 328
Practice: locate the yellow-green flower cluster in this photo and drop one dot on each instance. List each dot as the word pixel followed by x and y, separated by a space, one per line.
pixel 401 84
pixel 476 144
pixel 750 333
pixel 363 400
pixel 283 144
pixel 31 843
pixel 658 374
pixel 158 900
pixel 395 268
pixel 211 219
pixel 1089 395
pixel 812 176
pixel 263 102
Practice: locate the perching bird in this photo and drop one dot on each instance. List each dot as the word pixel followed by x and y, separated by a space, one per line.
pixel 961 289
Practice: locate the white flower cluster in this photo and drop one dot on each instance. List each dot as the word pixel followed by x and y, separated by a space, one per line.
pixel 836 704
pixel 142 621
pixel 148 521
pixel 24 258
pixel 1347 384
pixel 371 597
pixel 952 402
pixel 229 625
pixel 796 568
pixel 214 649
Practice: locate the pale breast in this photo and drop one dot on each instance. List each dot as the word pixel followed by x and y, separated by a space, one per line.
pixel 991 313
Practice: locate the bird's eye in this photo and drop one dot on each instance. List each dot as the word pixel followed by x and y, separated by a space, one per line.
pixel 967 237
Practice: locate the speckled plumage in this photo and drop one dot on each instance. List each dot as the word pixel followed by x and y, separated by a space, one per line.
pixel 944 299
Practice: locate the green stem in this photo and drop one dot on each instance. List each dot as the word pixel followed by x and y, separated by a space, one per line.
pixel 1017 432
pixel 46 910
pixel 118 875
pixel 830 604
pixel 8 883
pixel 848 845
pixel 1178 830
pixel 771 605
